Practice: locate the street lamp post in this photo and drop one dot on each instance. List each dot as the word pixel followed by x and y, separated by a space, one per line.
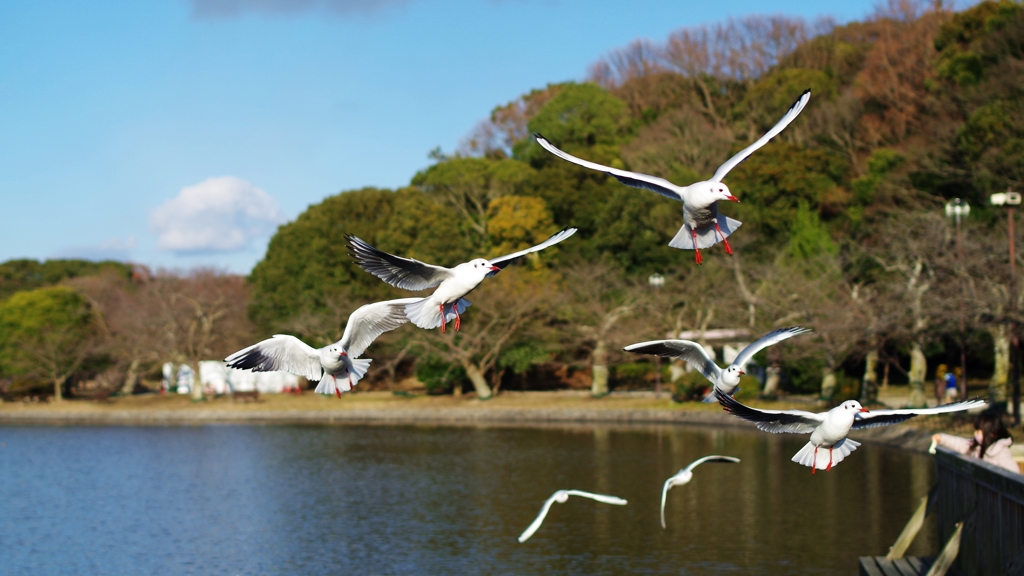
pixel 1011 199
pixel 957 209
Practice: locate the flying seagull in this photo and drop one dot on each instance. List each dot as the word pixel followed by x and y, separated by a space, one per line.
pixel 561 496
pixel 829 429
pixel 686 474
pixel 725 381
pixel 335 366
pixel 703 226
pixel 447 301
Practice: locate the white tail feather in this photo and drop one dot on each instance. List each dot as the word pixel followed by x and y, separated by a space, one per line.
pixel 327 385
pixel 359 368
pixel 332 384
pixel 426 314
pixel 707 236
pixel 840 451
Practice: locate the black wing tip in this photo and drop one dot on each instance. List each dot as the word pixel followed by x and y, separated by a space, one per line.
pixel 805 94
pixel 539 136
pixel 251 360
pixel 729 404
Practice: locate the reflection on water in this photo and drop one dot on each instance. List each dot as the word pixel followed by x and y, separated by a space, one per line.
pixel 375 499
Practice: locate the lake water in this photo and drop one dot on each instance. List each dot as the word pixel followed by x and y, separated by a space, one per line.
pixel 234 499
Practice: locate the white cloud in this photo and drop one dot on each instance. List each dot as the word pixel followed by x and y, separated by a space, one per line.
pixel 112 249
pixel 220 214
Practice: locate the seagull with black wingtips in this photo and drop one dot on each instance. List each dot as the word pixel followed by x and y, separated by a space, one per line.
pixel 447 302
pixel 337 366
pixel 725 381
pixel 829 429
pixel 703 226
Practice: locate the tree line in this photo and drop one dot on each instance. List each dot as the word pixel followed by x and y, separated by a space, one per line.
pixel 843 232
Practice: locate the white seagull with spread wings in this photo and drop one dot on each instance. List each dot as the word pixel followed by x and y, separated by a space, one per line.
pixel 561 497
pixel 703 226
pixel 725 381
pixel 686 474
pixel 337 363
pixel 447 301
pixel 829 429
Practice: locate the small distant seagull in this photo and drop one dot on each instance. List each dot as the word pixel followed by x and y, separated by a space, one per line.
pixel 686 474
pixel 337 363
pixel 725 381
pixel 829 429
pixel 702 224
pixel 561 496
pixel 447 301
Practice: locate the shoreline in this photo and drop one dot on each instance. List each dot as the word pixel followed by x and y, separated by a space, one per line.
pixel 531 409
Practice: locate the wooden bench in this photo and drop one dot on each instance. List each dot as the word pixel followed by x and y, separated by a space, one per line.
pixel 246 396
pixel 908 566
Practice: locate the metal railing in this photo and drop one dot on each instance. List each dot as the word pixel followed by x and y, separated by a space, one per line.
pixel 989 501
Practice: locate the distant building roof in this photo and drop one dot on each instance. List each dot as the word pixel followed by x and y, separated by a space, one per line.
pixel 716 334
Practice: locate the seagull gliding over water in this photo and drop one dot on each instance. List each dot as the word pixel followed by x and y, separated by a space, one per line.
pixel 561 497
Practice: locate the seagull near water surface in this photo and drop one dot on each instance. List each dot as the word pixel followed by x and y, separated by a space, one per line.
pixel 725 381
pixel 561 497
pixel 686 474
pixel 447 301
pixel 703 226
pixel 829 429
pixel 338 363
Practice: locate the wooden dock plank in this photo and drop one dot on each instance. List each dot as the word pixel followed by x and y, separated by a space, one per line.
pixel 909 566
pixel 868 567
pixel 887 566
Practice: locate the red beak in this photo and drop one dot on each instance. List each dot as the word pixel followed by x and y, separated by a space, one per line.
pixel 733 198
pixel 343 353
pixel 864 410
pixel 495 269
pixel 742 373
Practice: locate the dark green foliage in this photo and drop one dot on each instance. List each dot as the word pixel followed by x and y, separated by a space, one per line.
pixel 581 117
pixel 307 260
pixel 634 375
pixel 18 275
pixel 52 319
pixel 772 183
pixel 439 376
pixel 690 387
pixel 881 162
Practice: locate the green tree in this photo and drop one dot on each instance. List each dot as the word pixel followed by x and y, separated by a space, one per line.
pixel 45 333
pixel 467 186
pixel 16 275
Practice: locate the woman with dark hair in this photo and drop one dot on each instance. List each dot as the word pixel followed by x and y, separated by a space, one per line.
pixel 991 442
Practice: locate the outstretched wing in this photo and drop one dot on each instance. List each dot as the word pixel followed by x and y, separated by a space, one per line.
pixel 877 418
pixel 664 493
pixel 555 238
pixel 693 353
pixel 539 519
pixel 370 321
pixel 599 497
pixel 281 352
pixel 400 272
pixel 775 421
pixel 716 458
pixel 773 337
pixel 788 118
pixel 634 179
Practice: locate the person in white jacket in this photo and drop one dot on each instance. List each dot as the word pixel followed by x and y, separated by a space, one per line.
pixel 991 442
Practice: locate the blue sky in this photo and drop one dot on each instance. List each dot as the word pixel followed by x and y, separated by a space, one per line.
pixel 179 133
